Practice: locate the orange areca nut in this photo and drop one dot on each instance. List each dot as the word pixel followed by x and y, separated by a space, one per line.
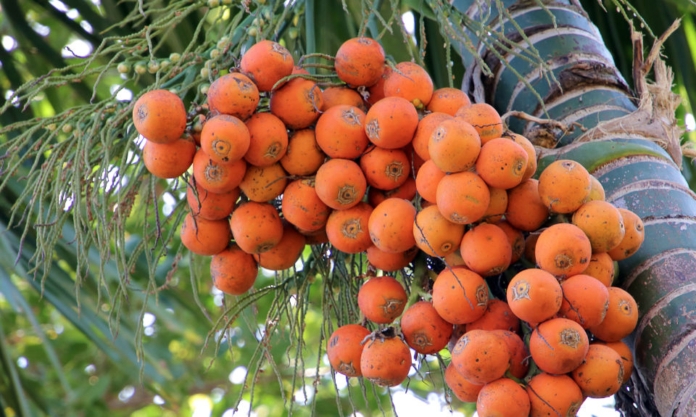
pixel 626 355
pixel 563 250
pixel 225 138
pixel 558 346
pixel 554 395
pixel 256 227
pixel 426 127
pixel 519 354
pixel 461 388
pixel 297 103
pixel 391 122
pixel 382 299
pixel 302 207
pixel 209 205
pixel 486 250
pixel 391 225
pixel 516 239
pixel 601 373
pixel 454 145
pixel 344 349
pixel 481 356
pixel 448 100
pixel 502 163
pixel 621 318
pixel 427 179
pixel 564 186
pixel 530 247
pixel 360 62
pixel 525 209
pixel 303 155
pixel 596 190
pixel 233 271
pixel 460 296
pixel 375 92
pixel 406 191
pixel 602 223
pixel 462 197
pixel 424 330
pixel 503 398
pixel 205 237
pixel 268 139
pixel 264 183
pixel 169 160
pixel 340 183
pixel 286 253
pixel 585 300
pixel 347 229
pixel 497 206
pixel 632 240
pixel 336 96
pixel 266 62
pixel 159 116
pixel 385 361
pixel 410 81
pixel 434 234
pixel 217 178
pixel 390 261
pixel 340 132
pixel 484 118
pixel 385 169
pixel 534 295
pixel 498 316
pixel 601 267
pixel 234 94
pixel 531 154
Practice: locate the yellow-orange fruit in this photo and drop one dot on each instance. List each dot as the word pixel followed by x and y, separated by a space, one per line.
pixel 459 295
pixel 519 354
pixel 502 163
pixel 360 62
pixel 558 346
pixel 303 155
pixel 425 129
pixel 302 207
pixel 391 225
pixel 340 183
pixel 554 395
pixel 233 271
pixel 390 261
pixel 171 159
pixel 531 154
pixel 424 330
pixel 530 247
pixel 266 62
pixel 516 239
pixel 205 237
pixel 563 250
pixel 209 205
pixel 434 234
pixel 286 253
pixel 626 356
pixel 382 299
pixel 385 362
pixel 375 92
pixel 410 81
pixel 427 179
pixel 385 169
pixel 462 197
pixel 225 138
pixel 264 183
pixel 484 118
pixel 601 267
pixel 391 122
pixel 481 356
pixel 297 103
pixel 268 139
pixel 632 240
pixel 217 178
pixel 234 94
pixel 340 132
pixel 621 318
pixel 337 96
pixel 406 191
pixel 525 209
pixel 596 189
pixel 344 349
pixel 564 186
pixel 498 316
pixel 317 237
pixel 454 259
pixel 585 300
pixel 347 229
pixel 461 388
pixel 448 100
pixel 601 373
pixel 602 223
pixel 503 398
pixel 256 227
pixel 454 145
pixel 486 250
pixel 534 295
pixel 497 205
pixel 159 116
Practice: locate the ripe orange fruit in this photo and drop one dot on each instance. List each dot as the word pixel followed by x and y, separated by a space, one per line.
pixel 484 118
pixel 519 354
pixel 340 132
pixel 563 250
pixel 626 355
pixel 531 154
pixel 503 398
pixel 375 92
pixel 410 81
pixel 558 346
pixel 391 122
pixel 266 62
pixel 497 206
pixel 344 349
pixel 425 129
pixel 159 116
pixel 530 247
pixel 601 267
pixel 382 299
pixel 268 139
pixel 498 316
pixel 601 373
pixel 621 318
pixel 360 62
pixel 225 138
pixel 169 160
pixel 459 295
pixel 486 250
pixel 534 295
pixel 596 189
pixel 385 362
pixel 516 239
pixel 205 237
pixel 340 183
pixel 602 223
pixel 286 253
pixel 336 96
pixel 297 103
pixel 461 387
pixel 502 163
pixel 256 227
pixel 302 207
pixel 209 205
pixel 303 155
pixel 234 94
pixel 391 225
pixel 406 191
pixel 424 330
pixel 481 356
pixel 233 271
pixel 434 234
pixel 585 300
pixel 525 209
pixel 347 229
pixel 385 169
pixel 462 197
pixel 564 186
pixel 427 179
pixel 448 100
pixel 554 395
pixel 390 261
pixel 454 145
pixel 632 240
pixel 263 183
pixel 217 178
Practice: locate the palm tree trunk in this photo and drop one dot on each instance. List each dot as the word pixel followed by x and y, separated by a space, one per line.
pixel 619 145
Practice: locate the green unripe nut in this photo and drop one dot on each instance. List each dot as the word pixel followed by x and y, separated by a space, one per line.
pixel 215 53
pixel 153 67
pixel 204 88
pixel 140 69
pixel 174 57
pixel 123 68
pixel 213 3
pixel 67 128
pixel 165 64
pixel 205 72
pixel 51 127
